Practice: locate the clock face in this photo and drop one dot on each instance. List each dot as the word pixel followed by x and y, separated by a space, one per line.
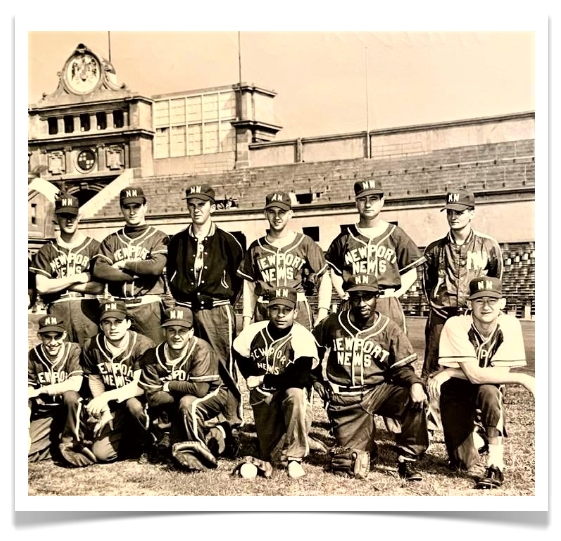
pixel 83 73
pixel 86 160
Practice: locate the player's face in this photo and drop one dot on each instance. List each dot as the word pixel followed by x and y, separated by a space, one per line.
pixel 278 218
pixel 458 219
pixel 200 210
pixel 115 329
pixel 487 309
pixel 369 206
pixel 363 303
pixel 52 342
pixel 281 316
pixel 68 223
pixel 134 213
pixel 177 336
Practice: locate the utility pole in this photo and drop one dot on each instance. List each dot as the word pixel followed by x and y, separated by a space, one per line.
pixel 368 149
pixel 109 44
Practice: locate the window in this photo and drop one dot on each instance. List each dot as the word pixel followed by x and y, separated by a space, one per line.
pixel 312 232
pixel 118 119
pixel 304 198
pixel 53 125
pixel 34 213
pixel 101 119
pixel 68 124
pixel 85 122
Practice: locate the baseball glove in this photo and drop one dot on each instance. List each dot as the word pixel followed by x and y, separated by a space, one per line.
pixel 350 462
pixel 264 468
pixel 193 456
pixel 76 454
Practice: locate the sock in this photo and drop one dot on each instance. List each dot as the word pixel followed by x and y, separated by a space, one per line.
pixel 495 457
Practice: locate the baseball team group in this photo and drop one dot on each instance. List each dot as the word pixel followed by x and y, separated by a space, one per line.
pixel 139 355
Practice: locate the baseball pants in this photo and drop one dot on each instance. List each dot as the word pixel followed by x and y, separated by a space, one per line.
pixel 283 413
pixel 52 424
pixel 146 319
pixel 352 419
pixel 80 317
pixel 433 330
pixel 459 400
pixel 304 315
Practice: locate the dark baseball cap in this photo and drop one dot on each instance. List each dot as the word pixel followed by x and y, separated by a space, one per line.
pixel 368 187
pixel 50 324
pixel 278 199
pixel 132 195
pixel 485 286
pixel 116 309
pixel 361 282
pixel 200 191
pixel 459 200
pixel 180 316
pixel 67 204
pixel 283 296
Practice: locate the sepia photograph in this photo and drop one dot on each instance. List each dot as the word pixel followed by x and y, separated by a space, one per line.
pixel 282 263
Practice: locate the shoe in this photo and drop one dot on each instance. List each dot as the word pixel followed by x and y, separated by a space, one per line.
pixel 233 444
pixel 295 469
pixel 392 425
pixel 317 446
pixel 407 472
pixel 493 479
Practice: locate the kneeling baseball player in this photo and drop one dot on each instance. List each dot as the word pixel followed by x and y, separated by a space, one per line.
pixel 184 390
pixel 369 371
pixel 276 358
pixel 476 353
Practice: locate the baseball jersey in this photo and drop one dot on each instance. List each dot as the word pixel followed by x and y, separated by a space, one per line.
pixel 271 267
pixel 204 268
pixel 114 371
pixel 195 372
pixel 270 356
pixel 42 370
pixel 450 267
pixel 56 259
pixel 363 357
pixel 387 256
pixel 137 251
pixel 461 342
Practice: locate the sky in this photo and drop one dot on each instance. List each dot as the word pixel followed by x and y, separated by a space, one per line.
pixel 322 78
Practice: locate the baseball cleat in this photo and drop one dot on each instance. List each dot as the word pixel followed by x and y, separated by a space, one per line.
pixel 407 472
pixel 317 446
pixel 295 469
pixel 493 479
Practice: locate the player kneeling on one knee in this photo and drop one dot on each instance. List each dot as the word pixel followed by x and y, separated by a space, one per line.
pixel 369 371
pixel 276 358
pixel 476 353
pixel 184 391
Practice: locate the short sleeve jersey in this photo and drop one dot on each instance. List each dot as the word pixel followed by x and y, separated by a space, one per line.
pixel 387 256
pixel 271 267
pixel 461 342
pixel 364 357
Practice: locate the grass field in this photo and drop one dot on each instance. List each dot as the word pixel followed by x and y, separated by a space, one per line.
pixel 128 478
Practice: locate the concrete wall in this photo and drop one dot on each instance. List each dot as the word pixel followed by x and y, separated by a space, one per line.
pixel 343 149
pixel 273 154
pixel 209 163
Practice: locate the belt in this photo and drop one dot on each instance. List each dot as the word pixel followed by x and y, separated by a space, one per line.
pixel 300 297
pixel 143 299
pixel 204 304
pixel 73 295
pixel 348 390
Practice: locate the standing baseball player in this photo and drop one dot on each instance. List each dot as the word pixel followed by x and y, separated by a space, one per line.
pixel 369 371
pixel 132 261
pixel 183 389
pixel 276 357
pixel 202 264
pixel 110 361
pixel 477 352
pixel 62 268
pixel 54 377
pixel 281 259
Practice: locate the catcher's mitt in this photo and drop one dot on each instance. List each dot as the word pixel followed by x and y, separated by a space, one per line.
pixel 350 462
pixel 193 456
pixel 76 454
pixel 264 468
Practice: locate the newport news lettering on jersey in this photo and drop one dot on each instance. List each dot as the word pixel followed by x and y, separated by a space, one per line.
pixel 280 266
pixel 353 351
pixel 370 259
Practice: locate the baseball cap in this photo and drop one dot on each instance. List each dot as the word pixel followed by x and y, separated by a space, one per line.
pixel 485 286
pixel 178 316
pixel 460 200
pixel 51 324
pixel 361 282
pixel 368 187
pixel 283 296
pixel 278 199
pixel 116 309
pixel 132 195
pixel 67 204
pixel 200 191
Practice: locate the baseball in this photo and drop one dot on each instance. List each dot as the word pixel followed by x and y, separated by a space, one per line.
pixel 248 471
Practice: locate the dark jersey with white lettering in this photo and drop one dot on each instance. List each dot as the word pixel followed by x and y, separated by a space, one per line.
pixel 195 372
pixel 450 267
pixel 364 357
pixel 56 259
pixel 271 267
pixel 115 371
pixel 387 256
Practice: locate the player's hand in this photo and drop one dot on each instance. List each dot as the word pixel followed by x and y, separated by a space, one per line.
pixel 97 406
pixel 84 277
pixel 33 393
pixel 119 264
pixel 105 418
pixel 254 381
pixel 418 396
pixel 435 382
